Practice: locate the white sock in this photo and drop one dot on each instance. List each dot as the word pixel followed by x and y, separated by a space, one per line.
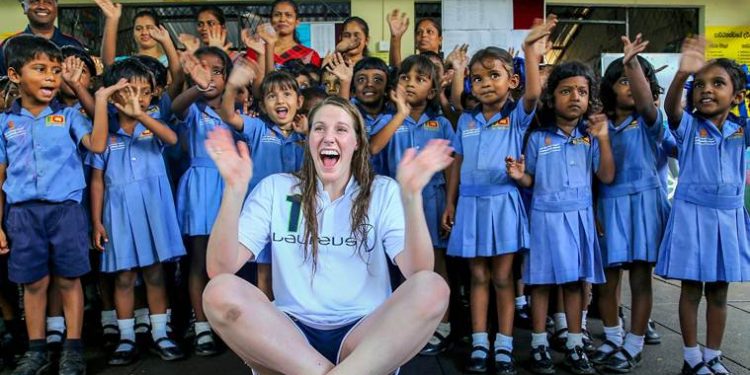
pixel 709 354
pixel 480 339
pixel 141 320
pixel 159 329
pixel 520 302
pixel 633 345
pixel 583 319
pixel 203 327
pixel 538 339
pixel 613 334
pixel 693 357
pixel 505 343
pixel 126 333
pixel 56 324
pixel 560 324
pixel 574 339
pixel 444 329
pixel 109 319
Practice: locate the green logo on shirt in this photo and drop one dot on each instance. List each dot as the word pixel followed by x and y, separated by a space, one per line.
pixel 295 209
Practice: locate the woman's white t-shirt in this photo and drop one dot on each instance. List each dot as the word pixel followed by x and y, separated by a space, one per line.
pixel 350 281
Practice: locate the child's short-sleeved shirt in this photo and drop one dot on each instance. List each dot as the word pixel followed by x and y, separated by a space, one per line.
pixel 198 122
pixel 416 134
pixel 271 151
pixel 42 153
pixel 130 158
pixel 712 161
pixel 562 167
pixel 485 144
pixel 352 278
pixel 373 125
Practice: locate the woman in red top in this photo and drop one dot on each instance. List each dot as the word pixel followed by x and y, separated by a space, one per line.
pixel 284 19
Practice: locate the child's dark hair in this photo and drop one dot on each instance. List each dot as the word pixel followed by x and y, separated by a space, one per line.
pixel 127 69
pixel 218 52
pixel 365 28
pixel 310 94
pixel 150 14
pixel 68 51
pixel 614 71
pixel 369 62
pixel 734 70
pixel 423 65
pixel 21 49
pixel 157 69
pixel 278 79
pixel 434 56
pixel 493 53
pixel 215 11
pixel 294 6
pixel 546 116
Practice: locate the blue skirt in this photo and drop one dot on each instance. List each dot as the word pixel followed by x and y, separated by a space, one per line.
pixel 489 226
pixel 564 248
pixel 705 244
pixel 633 226
pixel 433 202
pixel 198 200
pixel 142 225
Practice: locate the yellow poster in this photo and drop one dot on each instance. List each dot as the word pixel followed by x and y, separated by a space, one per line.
pixel 732 42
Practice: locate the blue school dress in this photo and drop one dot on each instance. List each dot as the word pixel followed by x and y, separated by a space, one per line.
pixel 200 188
pixel 633 209
pixel 138 211
pixel 708 233
pixel 373 125
pixel 490 216
pixel 564 246
pixel 416 134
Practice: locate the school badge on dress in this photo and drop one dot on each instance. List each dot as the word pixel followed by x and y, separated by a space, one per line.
pixel 502 124
pixel 54 120
pixel 432 126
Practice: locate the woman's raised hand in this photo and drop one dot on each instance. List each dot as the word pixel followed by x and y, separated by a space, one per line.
pixel 416 169
pixel 232 159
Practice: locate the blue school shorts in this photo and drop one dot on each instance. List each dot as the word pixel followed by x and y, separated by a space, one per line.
pixel 47 237
pixel 326 341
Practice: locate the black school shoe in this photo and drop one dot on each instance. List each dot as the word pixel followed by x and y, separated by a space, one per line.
pixel 588 344
pixel 623 366
pixel 435 349
pixel 206 349
pixel 72 363
pixel 652 337
pixel 32 363
pixel 541 361
pixel 694 370
pixel 478 365
pixel 577 361
pixel 124 357
pixel 503 367
pixel 172 353
pixel 714 364
pixel 599 357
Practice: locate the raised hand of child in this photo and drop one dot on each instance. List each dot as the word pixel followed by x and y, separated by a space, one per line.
pixel 632 49
pixel 106 92
pixel 267 33
pixel 217 36
pixel 537 42
pixel 693 56
pixel 232 159
pixel 598 126
pixel 160 34
pixel 516 169
pixel 72 69
pixel 398 22
pixel 416 169
pixel 131 106
pixel 398 97
pixel 191 42
pixel 194 69
pixel 253 41
pixel 244 71
pixel 99 237
pixel 458 58
pixel 348 44
pixel 109 9
pixel 340 67
pixel 300 124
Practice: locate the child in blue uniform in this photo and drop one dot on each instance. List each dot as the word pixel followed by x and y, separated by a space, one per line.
pixel 132 204
pixel 490 223
pixel 416 98
pixel 633 209
pixel 561 158
pixel 276 139
pixel 707 241
pixel 43 181
pixel 198 192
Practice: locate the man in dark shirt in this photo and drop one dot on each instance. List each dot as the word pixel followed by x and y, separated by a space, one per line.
pixel 42 15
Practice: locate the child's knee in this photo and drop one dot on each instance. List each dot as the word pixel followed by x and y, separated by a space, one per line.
pixel 154 276
pixel 480 275
pixel 716 294
pixel 37 287
pixel 125 280
pixel 502 281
